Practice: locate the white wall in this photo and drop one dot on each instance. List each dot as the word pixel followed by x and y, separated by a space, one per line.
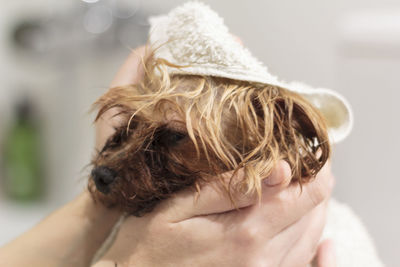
pixel 298 40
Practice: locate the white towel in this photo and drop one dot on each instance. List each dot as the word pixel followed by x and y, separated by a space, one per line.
pixel 194 35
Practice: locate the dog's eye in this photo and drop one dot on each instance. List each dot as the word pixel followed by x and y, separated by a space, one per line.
pixel 167 137
pixel 173 138
pixel 176 137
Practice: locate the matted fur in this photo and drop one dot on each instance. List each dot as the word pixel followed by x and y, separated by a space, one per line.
pixel 180 131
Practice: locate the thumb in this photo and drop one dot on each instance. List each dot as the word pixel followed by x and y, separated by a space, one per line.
pixel 326 254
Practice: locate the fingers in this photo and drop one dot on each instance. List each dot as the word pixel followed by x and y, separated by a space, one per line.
pixel 213 199
pixel 294 202
pixel 308 236
pixel 321 188
pixel 282 204
pixel 326 254
pixel 131 71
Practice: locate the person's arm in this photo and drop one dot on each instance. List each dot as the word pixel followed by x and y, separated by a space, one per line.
pixel 68 237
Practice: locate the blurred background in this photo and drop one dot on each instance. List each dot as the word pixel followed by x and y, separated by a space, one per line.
pixel 57 57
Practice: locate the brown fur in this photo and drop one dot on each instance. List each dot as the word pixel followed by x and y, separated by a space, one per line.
pixel 180 131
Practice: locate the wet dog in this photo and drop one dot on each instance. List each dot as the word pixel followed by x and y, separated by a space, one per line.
pixel 180 131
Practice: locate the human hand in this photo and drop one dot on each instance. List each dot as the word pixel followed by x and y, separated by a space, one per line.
pixel 206 230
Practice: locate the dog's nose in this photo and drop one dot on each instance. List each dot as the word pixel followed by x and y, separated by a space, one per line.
pixel 103 177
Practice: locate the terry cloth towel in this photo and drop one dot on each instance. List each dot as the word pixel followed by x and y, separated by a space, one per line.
pixel 195 35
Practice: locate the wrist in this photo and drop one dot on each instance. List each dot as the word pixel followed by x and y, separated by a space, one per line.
pixel 94 213
pixel 93 223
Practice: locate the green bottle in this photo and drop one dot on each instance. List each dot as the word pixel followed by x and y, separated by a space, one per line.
pixel 22 164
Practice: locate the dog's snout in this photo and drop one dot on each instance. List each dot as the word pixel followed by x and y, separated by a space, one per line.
pixel 103 177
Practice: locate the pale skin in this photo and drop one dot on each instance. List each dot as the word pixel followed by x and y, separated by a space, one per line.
pixel 189 229
pixel 256 235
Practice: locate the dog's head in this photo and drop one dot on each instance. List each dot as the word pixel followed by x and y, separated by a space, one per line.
pixel 179 131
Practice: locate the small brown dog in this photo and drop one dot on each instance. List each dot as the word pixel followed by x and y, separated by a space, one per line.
pixel 183 127
pixel 180 131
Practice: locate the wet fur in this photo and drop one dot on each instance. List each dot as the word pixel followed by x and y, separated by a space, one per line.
pixel 180 131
